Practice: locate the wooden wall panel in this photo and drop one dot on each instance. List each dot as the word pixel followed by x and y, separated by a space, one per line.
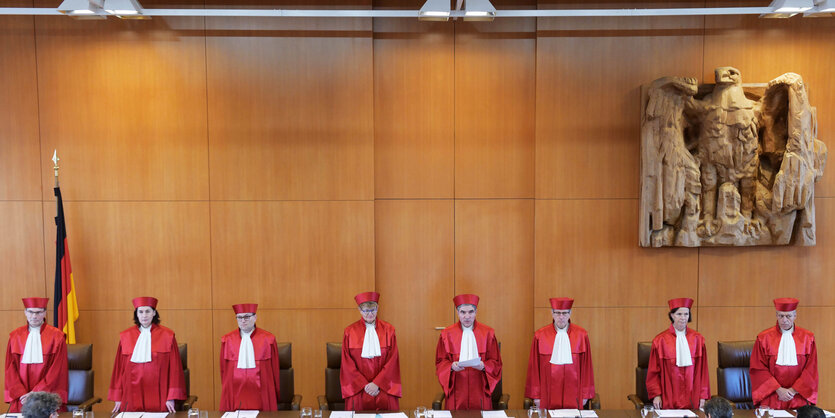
pixel 415 259
pixel 588 250
pixel 290 108
pixel 494 108
pixel 763 49
pixel 19 141
pixel 614 333
pixel 494 242
pixel 588 77
pixel 307 329
pixel 754 276
pixel 292 254
pixel 121 250
pixel 413 108
pixel 124 103
pixel 21 253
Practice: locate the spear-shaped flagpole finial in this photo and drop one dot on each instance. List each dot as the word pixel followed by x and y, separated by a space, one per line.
pixel 55 167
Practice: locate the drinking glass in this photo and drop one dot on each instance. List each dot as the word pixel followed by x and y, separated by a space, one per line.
pixel 429 413
pixel 317 413
pixel 420 412
pixel 533 412
pixel 307 412
pixel 78 413
pixel 647 411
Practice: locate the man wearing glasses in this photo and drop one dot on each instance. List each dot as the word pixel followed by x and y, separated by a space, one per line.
pixel 249 367
pixel 370 372
pixel 560 372
pixel 36 358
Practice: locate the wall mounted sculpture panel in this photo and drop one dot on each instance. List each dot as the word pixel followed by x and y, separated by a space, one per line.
pixel 728 164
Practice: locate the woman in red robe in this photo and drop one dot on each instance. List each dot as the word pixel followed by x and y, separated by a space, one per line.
pixel 147 374
pixel 677 377
pixel 370 372
pixel 48 372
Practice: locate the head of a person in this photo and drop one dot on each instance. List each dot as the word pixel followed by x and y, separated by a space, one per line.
pixel 466 306
pixel 145 311
pixel 680 312
pixel 245 315
pixel 810 411
pixel 35 311
pixel 561 311
pixel 41 405
pixel 786 312
pixel 367 304
pixel 718 407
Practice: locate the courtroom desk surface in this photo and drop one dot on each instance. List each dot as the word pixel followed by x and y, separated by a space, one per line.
pixel 515 413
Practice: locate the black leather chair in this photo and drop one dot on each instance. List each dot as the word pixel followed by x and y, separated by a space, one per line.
pixel 80 388
pixel 732 375
pixel 640 397
pixel 190 399
pixel 498 399
pixel 332 401
pixel 288 400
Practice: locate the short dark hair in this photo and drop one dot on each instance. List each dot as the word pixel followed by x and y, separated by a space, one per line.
pixel 718 407
pixel 153 321
pixel 41 405
pixel 672 311
pixel 810 411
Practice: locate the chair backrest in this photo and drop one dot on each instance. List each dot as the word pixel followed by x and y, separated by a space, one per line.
pixel 732 375
pixel 644 348
pixel 178 405
pixel 285 374
pixel 80 365
pixel 333 390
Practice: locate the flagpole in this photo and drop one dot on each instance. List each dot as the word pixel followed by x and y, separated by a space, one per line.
pixel 55 168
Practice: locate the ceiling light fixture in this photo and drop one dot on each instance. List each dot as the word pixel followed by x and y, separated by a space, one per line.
pixel 434 11
pixel 479 10
pixel 787 8
pixel 82 9
pixel 125 9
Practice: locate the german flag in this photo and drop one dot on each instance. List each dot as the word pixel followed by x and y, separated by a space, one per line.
pixel 66 306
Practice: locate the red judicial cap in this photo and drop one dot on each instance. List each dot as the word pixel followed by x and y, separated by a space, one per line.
pixel 245 308
pixel 680 303
pixel 786 304
pixel 145 301
pixel 466 298
pixel 367 297
pixel 561 303
pixel 35 302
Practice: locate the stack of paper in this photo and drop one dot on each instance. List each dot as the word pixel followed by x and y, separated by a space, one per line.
pixel 780 413
pixel 493 414
pixel 342 414
pixel 235 414
pixel 442 414
pixel 393 415
pixel 678 413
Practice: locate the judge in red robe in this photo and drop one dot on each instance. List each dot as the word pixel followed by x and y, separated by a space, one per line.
pixel 249 367
pixel 677 377
pixel 147 374
pixel 36 357
pixel 784 362
pixel 560 374
pixel 370 372
pixel 468 340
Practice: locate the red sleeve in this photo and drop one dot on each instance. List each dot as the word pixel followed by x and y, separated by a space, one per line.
pixel 115 392
pixel 586 371
pixel 654 371
pixel 492 364
pixel 350 378
pixel 532 389
pixel 56 377
pixel 388 379
pixel 807 384
pixel 443 365
pixel 14 387
pixel 763 384
pixel 176 378
pixel 276 368
pixel 703 371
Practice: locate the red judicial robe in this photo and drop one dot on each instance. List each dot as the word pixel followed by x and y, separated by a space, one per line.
pixel 767 376
pixel 679 387
pixel 249 389
pixel 469 388
pixel 384 371
pixel 146 386
pixel 565 385
pixel 49 376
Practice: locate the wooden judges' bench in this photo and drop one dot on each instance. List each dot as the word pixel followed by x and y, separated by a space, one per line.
pixel 515 413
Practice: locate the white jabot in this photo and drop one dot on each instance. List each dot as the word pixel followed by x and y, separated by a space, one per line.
pixel 561 354
pixel 683 358
pixel 787 353
pixel 469 347
pixel 246 352
pixel 142 349
pixel 371 343
pixel 33 352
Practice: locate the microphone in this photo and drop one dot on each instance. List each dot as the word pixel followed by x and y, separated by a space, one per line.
pixel 8 409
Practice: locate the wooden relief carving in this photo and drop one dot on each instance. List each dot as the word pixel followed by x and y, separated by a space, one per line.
pixel 728 164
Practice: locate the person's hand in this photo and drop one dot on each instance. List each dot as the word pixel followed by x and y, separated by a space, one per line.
pixel 656 402
pixel 169 404
pixel 456 367
pixel 24 397
pixel 785 395
pixel 372 389
pixel 701 403
pixel 479 366
pixel 116 407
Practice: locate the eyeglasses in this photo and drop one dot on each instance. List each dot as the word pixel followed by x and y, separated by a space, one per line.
pixel 244 317
pixel 368 311
pixel 561 313
pixel 28 312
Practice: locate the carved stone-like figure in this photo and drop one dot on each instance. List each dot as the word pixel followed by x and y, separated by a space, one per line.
pixel 728 164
